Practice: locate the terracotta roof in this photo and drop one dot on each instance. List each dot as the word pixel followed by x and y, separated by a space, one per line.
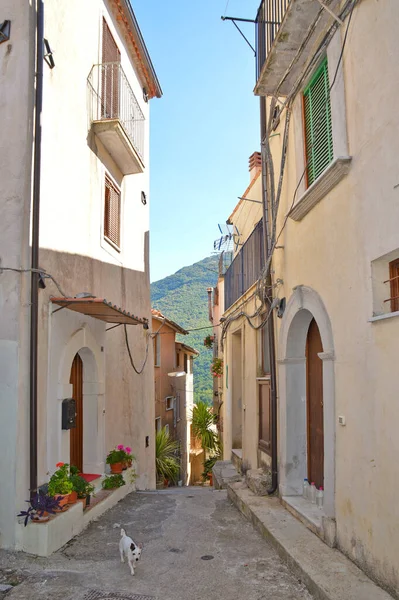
pixel 156 314
pixel 99 308
pixel 187 348
pixel 125 15
pixel 244 196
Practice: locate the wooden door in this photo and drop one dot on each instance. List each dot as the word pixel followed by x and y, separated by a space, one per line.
pixel 314 387
pixel 76 439
pixel 111 58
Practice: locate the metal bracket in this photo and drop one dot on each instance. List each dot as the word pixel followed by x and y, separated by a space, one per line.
pixel 330 11
pixel 48 55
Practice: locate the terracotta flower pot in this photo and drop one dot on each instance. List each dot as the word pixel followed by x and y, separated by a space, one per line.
pixel 73 498
pixel 210 478
pixel 63 500
pixel 116 468
pixel 41 519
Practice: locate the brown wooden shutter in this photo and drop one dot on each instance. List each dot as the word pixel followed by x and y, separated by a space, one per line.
pixel 112 212
pixel 111 58
pixel 394 284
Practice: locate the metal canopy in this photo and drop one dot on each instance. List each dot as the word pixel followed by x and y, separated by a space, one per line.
pixel 99 308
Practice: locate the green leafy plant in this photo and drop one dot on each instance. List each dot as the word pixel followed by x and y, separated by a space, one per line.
pixel 208 341
pixel 60 481
pixel 166 460
pixel 202 424
pixel 117 455
pixel 113 481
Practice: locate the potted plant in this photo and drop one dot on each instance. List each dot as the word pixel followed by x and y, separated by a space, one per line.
pixel 203 427
pixel 166 460
pixel 60 485
pixel 40 507
pixel 113 481
pixel 209 463
pixel 208 341
pixel 116 458
pixel 217 367
pixel 129 456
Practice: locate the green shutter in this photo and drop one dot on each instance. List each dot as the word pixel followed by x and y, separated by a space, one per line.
pixel 318 126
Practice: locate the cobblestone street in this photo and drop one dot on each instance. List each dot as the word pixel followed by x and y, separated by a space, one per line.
pixel 196 546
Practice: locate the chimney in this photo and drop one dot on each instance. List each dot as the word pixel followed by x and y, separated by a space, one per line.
pixel 255 165
pixel 210 312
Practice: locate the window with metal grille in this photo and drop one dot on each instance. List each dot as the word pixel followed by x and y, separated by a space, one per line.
pixel 318 124
pixel 112 213
pixel 394 285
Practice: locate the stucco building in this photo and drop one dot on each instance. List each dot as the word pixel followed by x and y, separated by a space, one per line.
pixel 174 389
pixel 329 277
pixel 74 289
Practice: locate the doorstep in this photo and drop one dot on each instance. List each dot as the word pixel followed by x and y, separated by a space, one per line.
pixel 326 572
pixel 42 539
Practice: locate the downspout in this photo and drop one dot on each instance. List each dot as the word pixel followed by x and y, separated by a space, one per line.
pixel 35 246
pixel 272 350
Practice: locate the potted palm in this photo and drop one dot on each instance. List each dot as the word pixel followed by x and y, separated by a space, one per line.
pixel 116 459
pixel 203 426
pixel 166 460
pixel 60 485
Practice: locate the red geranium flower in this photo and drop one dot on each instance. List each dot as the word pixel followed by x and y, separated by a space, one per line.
pixel 60 464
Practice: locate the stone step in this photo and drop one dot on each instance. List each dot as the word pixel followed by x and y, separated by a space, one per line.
pixel 224 472
pixel 236 459
pixel 326 572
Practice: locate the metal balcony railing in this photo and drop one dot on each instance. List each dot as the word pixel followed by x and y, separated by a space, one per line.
pixel 246 267
pixel 112 98
pixel 268 20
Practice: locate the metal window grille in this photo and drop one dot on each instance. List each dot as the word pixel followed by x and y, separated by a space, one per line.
pixel 268 20
pixel 112 213
pixel 318 124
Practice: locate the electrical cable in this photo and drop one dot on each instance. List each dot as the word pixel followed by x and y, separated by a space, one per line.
pixel 138 371
pixel 42 272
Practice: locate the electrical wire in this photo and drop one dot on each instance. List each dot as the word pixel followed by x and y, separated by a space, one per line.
pixel 42 272
pixel 138 371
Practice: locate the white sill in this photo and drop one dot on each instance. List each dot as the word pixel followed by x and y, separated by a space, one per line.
pixel 383 317
pixel 334 173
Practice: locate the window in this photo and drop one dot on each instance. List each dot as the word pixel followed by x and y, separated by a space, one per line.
pixel 169 402
pixel 112 213
pixel 111 57
pixel 157 350
pixel 185 363
pixel 264 415
pixel 158 424
pixel 318 124
pixel 394 284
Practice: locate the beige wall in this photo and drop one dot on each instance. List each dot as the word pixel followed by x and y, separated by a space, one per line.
pixel 330 252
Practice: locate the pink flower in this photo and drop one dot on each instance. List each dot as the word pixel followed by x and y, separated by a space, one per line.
pixel 128 450
pixel 121 447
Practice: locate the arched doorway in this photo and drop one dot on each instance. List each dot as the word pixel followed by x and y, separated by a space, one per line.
pixel 314 405
pixel 307 397
pixel 76 434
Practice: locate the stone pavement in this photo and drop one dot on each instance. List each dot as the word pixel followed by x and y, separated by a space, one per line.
pixel 197 546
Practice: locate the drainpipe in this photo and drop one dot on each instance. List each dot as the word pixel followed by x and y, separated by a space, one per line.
pixel 272 350
pixel 35 245
pixel 210 311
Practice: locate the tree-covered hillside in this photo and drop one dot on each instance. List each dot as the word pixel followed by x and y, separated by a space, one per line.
pixel 182 297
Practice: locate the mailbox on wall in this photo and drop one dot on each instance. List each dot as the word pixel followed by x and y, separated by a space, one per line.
pixel 68 413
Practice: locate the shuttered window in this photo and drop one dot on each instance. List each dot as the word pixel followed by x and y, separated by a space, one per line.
pixel 394 284
pixel 318 125
pixel 112 213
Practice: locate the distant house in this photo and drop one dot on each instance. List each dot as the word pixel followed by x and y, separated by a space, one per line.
pixel 174 388
pixel 75 273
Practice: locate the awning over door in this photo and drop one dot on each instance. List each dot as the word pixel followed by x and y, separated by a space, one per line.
pixel 99 308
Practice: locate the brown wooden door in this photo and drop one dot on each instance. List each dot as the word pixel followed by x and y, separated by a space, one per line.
pixel 314 386
pixel 111 57
pixel 76 439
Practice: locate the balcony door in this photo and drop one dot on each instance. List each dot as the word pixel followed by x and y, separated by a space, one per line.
pixel 110 75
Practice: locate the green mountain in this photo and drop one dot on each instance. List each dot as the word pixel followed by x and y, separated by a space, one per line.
pixel 183 298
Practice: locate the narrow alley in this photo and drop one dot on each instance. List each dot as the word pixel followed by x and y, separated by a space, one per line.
pixel 196 545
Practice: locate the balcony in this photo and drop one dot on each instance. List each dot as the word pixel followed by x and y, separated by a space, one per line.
pixel 246 267
pixel 287 34
pixel 116 117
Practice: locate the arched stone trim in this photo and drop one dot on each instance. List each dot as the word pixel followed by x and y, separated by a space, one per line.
pixel 304 305
pixel 83 342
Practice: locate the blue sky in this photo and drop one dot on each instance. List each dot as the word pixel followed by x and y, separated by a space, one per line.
pixel 203 129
